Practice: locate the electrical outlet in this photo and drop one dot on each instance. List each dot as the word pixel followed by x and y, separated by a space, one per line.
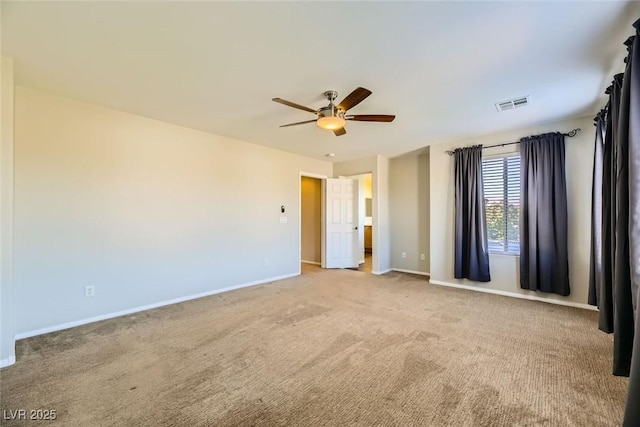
pixel 266 261
pixel 422 257
pixel 404 254
pixel 89 291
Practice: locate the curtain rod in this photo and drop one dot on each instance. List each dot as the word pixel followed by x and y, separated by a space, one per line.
pixel 570 134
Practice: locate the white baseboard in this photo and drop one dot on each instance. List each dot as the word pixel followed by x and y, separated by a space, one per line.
pixel 514 295
pixel 304 261
pixel 378 273
pixel 146 307
pixel 402 270
pixel 7 362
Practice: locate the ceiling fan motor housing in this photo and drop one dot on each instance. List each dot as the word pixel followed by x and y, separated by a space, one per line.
pixel 330 111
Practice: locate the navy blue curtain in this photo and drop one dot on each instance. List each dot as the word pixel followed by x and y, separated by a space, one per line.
pixel 622 303
pixel 544 257
pixel 471 244
pixel 629 128
pixel 595 268
pixel 614 286
pixel 605 301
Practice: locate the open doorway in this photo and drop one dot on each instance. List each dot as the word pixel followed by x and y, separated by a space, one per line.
pixel 365 219
pixel 312 214
pixel 310 221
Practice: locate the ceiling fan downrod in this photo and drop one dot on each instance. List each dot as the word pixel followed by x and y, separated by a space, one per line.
pixel 331 95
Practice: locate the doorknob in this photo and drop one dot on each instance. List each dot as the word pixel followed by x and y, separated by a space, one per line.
pixel 355 228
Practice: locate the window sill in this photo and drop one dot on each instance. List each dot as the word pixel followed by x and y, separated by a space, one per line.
pixel 504 254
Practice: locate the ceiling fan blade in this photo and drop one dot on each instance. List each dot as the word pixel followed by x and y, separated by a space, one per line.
pixel 339 132
pixel 371 118
pixel 298 123
pixel 354 98
pixel 293 104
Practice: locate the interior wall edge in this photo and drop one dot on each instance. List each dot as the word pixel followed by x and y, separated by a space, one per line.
pixel 7 216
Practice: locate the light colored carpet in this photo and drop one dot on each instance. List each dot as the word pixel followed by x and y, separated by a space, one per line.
pixel 326 348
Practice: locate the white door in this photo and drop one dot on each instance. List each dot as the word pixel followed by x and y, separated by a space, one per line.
pixel 340 249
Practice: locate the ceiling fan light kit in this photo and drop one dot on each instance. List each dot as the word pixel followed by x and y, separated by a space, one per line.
pixel 331 123
pixel 334 117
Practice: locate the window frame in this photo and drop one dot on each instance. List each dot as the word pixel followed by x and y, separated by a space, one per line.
pixel 505 200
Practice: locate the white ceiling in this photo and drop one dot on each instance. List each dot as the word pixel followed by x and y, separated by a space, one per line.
pixel 214 66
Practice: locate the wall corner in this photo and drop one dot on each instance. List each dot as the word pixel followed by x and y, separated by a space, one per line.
pixel 7 336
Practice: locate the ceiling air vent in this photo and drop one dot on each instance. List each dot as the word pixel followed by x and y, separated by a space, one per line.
pixel 512 103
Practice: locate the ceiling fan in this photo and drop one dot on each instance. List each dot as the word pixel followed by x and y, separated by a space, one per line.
pixel 334 117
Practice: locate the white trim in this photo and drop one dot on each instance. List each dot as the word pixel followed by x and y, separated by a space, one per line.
pixel 515 295
pixel 378 273
pixel 402 270
pixel 320 177
pixel 312 175
pixel 146 307
pixel 7 362
pixel 304 261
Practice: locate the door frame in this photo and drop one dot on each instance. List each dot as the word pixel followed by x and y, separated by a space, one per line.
pixel 308 175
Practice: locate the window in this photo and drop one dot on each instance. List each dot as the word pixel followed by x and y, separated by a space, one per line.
pixel 501 176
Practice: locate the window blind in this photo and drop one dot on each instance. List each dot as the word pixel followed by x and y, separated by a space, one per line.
pixel 501 177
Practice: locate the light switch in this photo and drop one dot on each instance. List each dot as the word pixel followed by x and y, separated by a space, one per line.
pixel 284 220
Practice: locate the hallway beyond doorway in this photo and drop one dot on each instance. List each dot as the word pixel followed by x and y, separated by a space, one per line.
pixel 367 265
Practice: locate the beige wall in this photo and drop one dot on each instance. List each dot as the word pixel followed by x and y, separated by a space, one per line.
pixel 424 212
pixel 367 185
pixel 145 211
pixel 381 229
pixel 409 211
pixel 7 347
pixel 311 219
pixel 505 268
